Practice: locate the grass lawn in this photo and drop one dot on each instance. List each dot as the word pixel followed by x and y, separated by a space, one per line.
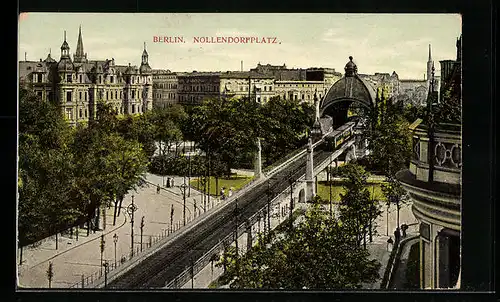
pixel 337 189
pixel 236 182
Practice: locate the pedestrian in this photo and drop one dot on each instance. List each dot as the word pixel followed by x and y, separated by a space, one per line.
pixel 222 194
pixel 397 235
pixel 404 227
pixel 172 184
pixel 158 189
pixel 168 182
pixel 390 243
pixel 230 193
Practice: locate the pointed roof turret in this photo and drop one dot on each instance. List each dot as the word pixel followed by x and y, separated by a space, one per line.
pixel 65 47
pixel 145 68
pixel 430 55
pixel 80 56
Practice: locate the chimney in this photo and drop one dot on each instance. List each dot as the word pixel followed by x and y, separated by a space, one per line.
pixel 25 57
pixel 242 65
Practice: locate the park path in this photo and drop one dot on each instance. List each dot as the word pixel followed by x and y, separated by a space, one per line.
pixel 386 225
pixel 79 258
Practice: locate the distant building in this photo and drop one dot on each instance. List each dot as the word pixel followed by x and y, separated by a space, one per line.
pixel 409 91
pixel 195 87
pixel 164 88
pixel 78 84
pixel 280 73
pixel 300 90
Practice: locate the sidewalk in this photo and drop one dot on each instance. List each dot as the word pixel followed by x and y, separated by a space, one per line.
pixel 76 258
pixel 378 248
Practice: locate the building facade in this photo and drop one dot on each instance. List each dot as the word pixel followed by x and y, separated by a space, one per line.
pixel 195 87
pixel 164 88
pixel 79 84
pixel 300 90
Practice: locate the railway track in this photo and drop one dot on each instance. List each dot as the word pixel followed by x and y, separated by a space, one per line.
pixel 163 266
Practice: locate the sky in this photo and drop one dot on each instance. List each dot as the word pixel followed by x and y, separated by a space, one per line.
pixel 377 42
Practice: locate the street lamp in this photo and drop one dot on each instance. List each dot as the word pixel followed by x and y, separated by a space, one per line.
pixel 183 188
pixel 130 210
pixel 102 249
pixel 142 226
pixel 115 241
pixel 105 264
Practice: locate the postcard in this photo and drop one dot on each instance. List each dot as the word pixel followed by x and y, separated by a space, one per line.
pixel 239 151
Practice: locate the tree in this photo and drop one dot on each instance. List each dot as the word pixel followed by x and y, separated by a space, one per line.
pixel 317 254
pixel 285 123
pixel 357 209
pixel 389 137
pixel 45 166
pixel 395 194
pixel 227 129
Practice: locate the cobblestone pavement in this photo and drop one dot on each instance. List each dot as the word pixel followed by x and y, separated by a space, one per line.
pixel 80 259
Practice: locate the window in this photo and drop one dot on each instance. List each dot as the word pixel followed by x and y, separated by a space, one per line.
pixel 68 78
pixel 133 108
pixel 80 115
pixel 295 97
pixel 116 94
pixel 85 112
pixel 100 79
pixel 265 88
pixel 107 95
pixel 68 96
pixel 133 93
pixel 69 114
pixel 39 78
pixel 302 96
pixel 81 81
pixel 39 93
pixel 85 95
pixel 111 79
pixel 49 96
pixel 80 96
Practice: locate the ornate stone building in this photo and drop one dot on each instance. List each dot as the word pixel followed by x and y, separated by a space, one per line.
pixel 78 84
pixel 164 88
pixel 433 181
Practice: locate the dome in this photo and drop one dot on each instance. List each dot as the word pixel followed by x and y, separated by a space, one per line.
pixel 350 68
pixel 145 69
pixel 49 59
pixel 350 88
pixel 65 65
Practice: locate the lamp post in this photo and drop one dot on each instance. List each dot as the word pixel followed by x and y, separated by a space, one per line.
pixel 130 210
pixel 105 264
pixel 102 249
pixel 115 241
pixel 171 218
pixel 142 226
pixel 189 174
pixel 183 188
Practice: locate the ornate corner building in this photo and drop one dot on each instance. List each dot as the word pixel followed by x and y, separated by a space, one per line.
pixel 433 182
pixel 79 84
